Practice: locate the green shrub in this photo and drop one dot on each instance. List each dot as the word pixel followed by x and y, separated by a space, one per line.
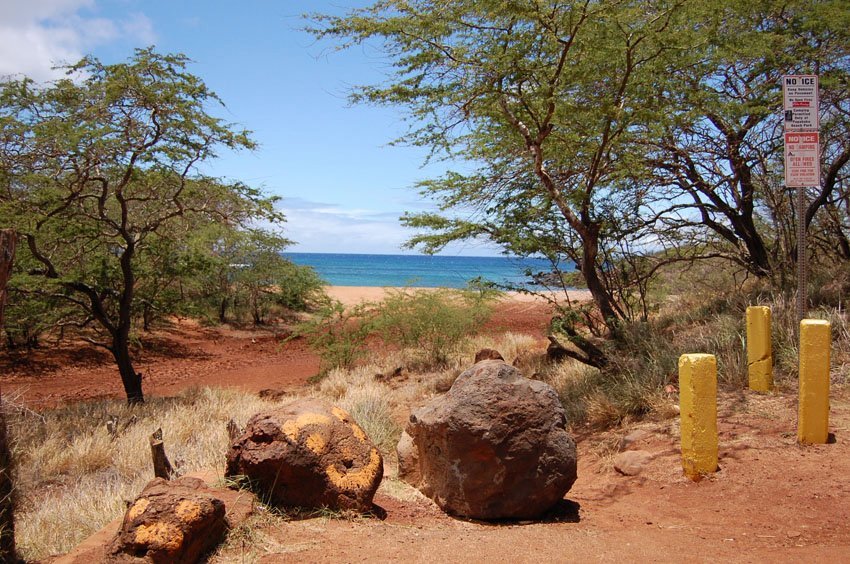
pixel 434 322
pixel 337 334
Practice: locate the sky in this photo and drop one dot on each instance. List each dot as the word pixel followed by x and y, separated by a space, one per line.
pixel 343 186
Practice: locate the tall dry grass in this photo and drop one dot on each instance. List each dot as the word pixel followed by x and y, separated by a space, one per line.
pixel 642 375
pixel 73 476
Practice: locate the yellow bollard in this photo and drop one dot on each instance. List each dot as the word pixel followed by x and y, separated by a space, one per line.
pixel 698 406
pixel 759 349
pixel 813 416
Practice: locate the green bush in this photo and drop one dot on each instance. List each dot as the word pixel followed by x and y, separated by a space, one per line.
pixel 337 334
pixel 434 322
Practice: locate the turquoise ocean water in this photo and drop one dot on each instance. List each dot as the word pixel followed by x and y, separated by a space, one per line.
pixel 416 270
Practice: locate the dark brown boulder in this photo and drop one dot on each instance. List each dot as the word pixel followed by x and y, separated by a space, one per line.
pixel 488 354
pixel 308 454
pixel 408 460
pixel 494 447
pixel 172 522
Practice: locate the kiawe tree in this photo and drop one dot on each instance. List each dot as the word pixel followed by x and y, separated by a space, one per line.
pixel 722 146
pixel 619 135
pixel 100 168
pixel 543 98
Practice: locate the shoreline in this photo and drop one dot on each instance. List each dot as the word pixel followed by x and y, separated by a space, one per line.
pixel 354 295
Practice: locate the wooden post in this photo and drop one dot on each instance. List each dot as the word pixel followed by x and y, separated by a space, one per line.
pixel 161 466
pixel 8 243
pixel 233 430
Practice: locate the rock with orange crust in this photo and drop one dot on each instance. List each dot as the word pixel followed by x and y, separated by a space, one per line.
pixel 175 522
pixel 307 453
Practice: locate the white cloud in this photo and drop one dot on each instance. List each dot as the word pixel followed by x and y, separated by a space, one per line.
pixel 328 228
pixel 140 27
pixel 14 12
pixel 325 228
pixel 37 35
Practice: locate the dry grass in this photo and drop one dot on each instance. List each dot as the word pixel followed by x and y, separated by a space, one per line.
pixel 370 403
pixel 73 476
pixel 510 345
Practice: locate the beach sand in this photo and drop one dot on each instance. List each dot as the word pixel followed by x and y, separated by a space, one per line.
pixel 353 295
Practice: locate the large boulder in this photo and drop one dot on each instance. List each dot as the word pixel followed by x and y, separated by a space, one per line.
pixel 495 446
pixel 170 522
pixel 308 454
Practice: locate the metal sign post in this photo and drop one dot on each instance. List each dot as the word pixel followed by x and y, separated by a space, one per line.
pixel 802 161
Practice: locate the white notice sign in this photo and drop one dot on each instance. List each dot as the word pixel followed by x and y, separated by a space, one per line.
pixel 800 92
pixel 802 159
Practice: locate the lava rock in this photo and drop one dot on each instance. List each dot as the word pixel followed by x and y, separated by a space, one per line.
pixel 172 522
pixel 495 446
pixel 634 437
pixel 307 454
pixel 631 462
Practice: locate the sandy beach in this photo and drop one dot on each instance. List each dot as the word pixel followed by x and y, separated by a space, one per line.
pixel 353 295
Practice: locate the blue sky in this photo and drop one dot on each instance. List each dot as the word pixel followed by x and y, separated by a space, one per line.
pixel 343 186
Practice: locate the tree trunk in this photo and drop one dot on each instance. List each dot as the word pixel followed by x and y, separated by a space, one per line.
pixel 222 311
pixel 121 335
pixel 147 314
pixel 131 379
pixel 255 308
pixel 8 242
pixel 590 252
pixel 757 257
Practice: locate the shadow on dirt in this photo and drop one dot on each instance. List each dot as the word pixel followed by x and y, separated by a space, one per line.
pixel 41 362
pixel 565 511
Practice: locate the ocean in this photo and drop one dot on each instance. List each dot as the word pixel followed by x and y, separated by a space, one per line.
pixel 416 270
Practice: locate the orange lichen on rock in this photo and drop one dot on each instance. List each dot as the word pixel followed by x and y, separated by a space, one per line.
pixel 159 536
pixel 358 479
pixel 316 442
pixel 138 508
pixel 188 511
pixel 292 428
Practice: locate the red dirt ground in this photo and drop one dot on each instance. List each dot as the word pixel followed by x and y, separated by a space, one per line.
pixel 187 355
pixel 772 500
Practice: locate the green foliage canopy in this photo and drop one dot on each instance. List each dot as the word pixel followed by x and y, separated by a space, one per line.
pixel 99 175
pixel 617 135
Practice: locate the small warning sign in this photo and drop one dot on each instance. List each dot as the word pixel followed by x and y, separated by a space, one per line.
pixel 802 160
pixel 800 94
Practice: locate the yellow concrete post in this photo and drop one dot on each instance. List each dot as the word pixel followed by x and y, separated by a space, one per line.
pixel 759 349
pixel 698 406
pixel 813 416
